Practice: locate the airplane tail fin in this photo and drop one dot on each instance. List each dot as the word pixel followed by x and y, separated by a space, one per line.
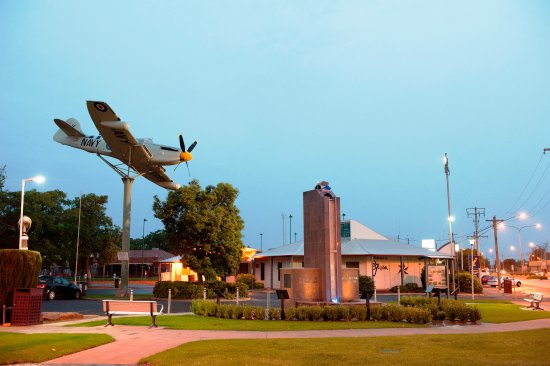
pixel 70 128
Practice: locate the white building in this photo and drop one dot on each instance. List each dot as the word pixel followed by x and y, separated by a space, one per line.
pixel 389 263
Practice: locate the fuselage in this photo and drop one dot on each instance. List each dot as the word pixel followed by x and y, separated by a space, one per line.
pixel 160 154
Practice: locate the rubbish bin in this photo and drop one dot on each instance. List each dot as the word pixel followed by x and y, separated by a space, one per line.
pixel 117 282
pixel 27 306
pixel 83 287
pixel 507 286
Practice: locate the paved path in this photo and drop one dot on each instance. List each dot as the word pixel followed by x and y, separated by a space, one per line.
pixel 132 343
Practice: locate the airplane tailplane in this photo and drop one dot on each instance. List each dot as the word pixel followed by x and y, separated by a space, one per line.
pixel 71 127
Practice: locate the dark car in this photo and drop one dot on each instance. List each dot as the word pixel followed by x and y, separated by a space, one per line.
pixel 484 279
pixel 58 288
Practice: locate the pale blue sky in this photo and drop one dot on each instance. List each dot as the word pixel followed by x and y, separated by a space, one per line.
pixel 368 95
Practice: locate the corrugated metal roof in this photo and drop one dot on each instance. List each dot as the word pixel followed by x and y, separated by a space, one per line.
pixel 359 247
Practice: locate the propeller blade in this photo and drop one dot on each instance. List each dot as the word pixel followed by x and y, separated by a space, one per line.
pixel 192 146
pixel 182 144
pixel 188 171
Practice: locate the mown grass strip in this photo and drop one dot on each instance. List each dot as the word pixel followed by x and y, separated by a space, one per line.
pixel 492 349
pixel 34 348
pixel 193 322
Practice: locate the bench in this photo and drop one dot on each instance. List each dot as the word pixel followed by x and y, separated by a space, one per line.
pixel 125 307
pixel 535 300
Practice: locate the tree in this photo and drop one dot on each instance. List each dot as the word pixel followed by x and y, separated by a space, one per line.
pixel 155 239
pixel 98 238
pixel 204 226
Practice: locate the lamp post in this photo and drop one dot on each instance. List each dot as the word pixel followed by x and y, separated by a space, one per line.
pixel 77 239
pixel 39 180
pixel 142 245
pixel 290 228
pixel 519 229
pixel 261 242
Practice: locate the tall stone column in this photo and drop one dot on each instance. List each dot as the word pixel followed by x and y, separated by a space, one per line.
pixel 322 240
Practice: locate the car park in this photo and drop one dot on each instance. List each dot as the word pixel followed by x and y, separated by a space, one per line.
pixel 58 287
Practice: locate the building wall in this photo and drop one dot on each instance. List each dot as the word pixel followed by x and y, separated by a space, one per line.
pixel 387 269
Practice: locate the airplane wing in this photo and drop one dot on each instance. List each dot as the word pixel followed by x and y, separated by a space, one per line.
pixel 124 145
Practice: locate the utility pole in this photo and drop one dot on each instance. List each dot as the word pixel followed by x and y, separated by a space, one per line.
pixel 495 228
pixel 477 213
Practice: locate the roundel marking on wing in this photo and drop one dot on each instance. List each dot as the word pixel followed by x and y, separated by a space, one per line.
pixel 101 107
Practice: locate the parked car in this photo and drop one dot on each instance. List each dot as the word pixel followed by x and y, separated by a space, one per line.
pixel 58 287
pixel 514 281
pixel 493 281
pixel 485 278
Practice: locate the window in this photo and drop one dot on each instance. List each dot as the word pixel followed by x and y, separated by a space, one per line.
pixel 279 266
pixel 262 272
pixel 352 264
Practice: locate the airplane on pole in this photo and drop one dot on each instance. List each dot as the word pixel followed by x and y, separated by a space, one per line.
pixel 138 157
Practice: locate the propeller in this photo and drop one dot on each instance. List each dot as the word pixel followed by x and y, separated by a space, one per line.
pixel 185 154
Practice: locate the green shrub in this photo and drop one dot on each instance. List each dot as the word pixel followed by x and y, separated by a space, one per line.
pixel 18 269
pixel 180 290
pixel 290 313
pixel 274 313
pixel 302 313
pixel 408 288
pixel 393 313
pixel 248 279
pixel 259 313
pixel 360 313
pixel 366 283
pixel 315 313
pixel 465 281
pixel 331 313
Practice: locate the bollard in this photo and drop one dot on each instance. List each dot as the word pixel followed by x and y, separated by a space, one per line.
pixel 266 315
pixel 375 295
pixel 237 295
pixel 268 297
pixel 399 295
pixel 131 294
pixel 169 299
pixel 204 293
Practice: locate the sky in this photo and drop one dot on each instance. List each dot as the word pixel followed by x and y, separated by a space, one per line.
pixel 367 95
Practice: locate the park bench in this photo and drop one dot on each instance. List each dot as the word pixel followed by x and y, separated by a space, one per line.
pixel 534 300
pixel 125 307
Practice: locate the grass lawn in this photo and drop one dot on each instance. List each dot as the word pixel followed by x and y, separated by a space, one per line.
pixel 27 348
pixel 193 322
pixel 510 348
pixel 495 311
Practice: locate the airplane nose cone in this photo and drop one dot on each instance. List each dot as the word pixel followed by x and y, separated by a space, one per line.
pixel 185 156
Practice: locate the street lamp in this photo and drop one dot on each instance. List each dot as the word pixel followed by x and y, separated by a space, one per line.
pixel 519 229
pixel 290 228
pixel 39 180
pixel 261 242
pixel 142 245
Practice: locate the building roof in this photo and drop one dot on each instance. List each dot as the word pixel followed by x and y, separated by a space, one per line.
pixel 376 247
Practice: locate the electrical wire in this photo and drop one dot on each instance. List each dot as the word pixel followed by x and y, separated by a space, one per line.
pixel 525 187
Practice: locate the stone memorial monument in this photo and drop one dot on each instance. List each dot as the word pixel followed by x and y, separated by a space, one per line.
pixel 322 279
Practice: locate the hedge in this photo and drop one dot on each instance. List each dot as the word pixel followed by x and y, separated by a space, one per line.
pixel 192 290
pixel 18 269
pixel 390 312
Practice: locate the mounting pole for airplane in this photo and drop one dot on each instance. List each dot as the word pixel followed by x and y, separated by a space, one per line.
pixel 139 157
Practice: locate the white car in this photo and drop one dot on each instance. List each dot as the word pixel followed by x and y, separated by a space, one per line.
pixel 493 281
